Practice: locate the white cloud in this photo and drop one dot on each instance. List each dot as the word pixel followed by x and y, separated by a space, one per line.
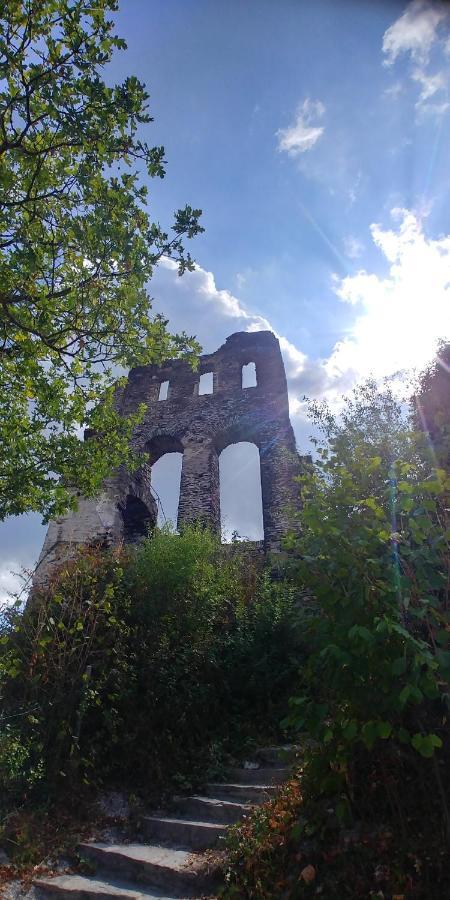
pixel 211 309
pixel 415 31
pixel 304 132
pixel 10 581
pixel 394 90
pixel 194 303
pixel 430 84
pixel 418 31
pixel 404 314
pixel 353 247
pixel 436 109
pixel 398 318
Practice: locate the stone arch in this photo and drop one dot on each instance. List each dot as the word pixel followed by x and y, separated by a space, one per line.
pixel 244 429
pixel 241 503
pixel 135 505
pixel 159 444
pixel 137 519
pixel 165 462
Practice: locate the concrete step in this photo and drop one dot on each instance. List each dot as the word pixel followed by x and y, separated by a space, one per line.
pixel 243 793
pixel 177 872
pixel 185 833
pixel 256 775
pixel 209 809
pixel 80 887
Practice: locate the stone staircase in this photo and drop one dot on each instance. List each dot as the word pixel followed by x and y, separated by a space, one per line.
pixel 176 862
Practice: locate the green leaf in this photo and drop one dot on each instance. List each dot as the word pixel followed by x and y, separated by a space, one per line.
pixel 398 667
pixel 410 693
pixel 78 252
pixel 369 733
pixel 384 729
pixel 350 731
pixel 426 744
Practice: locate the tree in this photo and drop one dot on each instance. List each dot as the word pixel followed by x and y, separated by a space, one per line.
pixel 432 403
pixel 373 558
pixel 77 249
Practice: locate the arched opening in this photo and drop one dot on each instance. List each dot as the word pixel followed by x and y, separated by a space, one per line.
pixel 241 511
pixel 249 375
pixel 165 458
pixel 137 519
pixel 166 478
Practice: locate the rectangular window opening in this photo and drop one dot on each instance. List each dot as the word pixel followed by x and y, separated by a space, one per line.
pixel 206 383
pixel 163 390
pixel 249 375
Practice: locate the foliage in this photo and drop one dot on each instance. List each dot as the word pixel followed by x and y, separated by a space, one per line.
pixel 77 249
pixel 260 850
pixel 36 837
pixel 113 668
pixel 432 404
pixel 375 557
pixel 372 701
pixel 277 853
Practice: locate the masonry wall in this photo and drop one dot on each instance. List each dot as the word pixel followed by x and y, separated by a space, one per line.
pixel 199 426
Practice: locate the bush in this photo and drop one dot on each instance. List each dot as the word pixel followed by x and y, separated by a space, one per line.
pixel 375 556
pixel 263 859
pixel 373 695
pixel 141 667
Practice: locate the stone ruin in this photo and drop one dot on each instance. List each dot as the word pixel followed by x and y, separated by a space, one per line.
pixel 199 426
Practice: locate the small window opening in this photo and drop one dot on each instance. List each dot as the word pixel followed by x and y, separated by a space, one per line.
pixel 206 383
pixel 163 390
pixel 249 375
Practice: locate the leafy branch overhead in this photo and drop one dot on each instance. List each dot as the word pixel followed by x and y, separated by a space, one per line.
pixel 77 249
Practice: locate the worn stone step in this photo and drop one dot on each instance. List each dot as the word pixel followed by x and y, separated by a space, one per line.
pixel 210 809
pixel 190 834
pixel 256 775
pixel 178 872
pixel 243 793
pixel 81 887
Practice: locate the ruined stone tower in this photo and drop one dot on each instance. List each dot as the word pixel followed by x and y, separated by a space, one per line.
pixel 199 426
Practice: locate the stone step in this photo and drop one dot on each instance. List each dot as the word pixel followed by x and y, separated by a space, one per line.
pixel 80 887
pixel 185 833
pixel 178 872
pixel 243 793
pixel 257 775
pixel 209 809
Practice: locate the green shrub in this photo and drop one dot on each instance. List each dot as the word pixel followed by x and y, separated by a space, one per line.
pixel 144 666
pixel 375 556
pixel 371 707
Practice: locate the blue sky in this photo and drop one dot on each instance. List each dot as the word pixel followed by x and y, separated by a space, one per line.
pixel 314 136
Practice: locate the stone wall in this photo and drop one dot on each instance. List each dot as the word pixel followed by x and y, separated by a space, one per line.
pixel 199 426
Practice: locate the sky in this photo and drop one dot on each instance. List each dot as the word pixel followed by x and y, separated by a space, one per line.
pixel 315 137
